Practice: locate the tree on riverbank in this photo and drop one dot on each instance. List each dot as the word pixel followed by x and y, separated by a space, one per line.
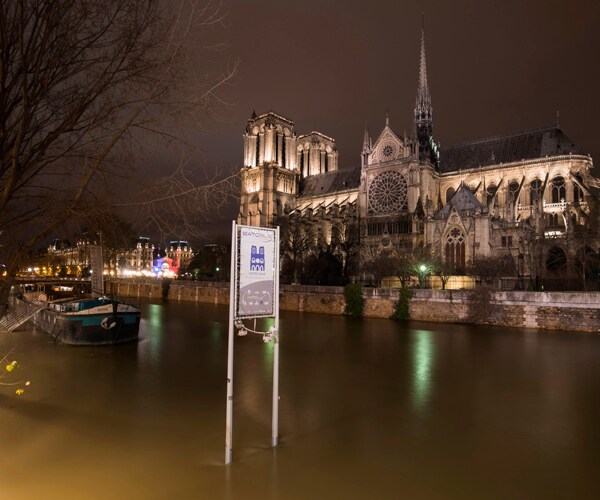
pixel 83 83
pixel 7 369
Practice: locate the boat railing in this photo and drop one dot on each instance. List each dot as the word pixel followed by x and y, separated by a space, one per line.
pixel 35 297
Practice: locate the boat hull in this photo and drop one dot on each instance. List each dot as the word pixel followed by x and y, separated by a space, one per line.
pixel 102 328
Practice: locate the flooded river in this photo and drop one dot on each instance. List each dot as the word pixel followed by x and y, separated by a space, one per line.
pixel 370 409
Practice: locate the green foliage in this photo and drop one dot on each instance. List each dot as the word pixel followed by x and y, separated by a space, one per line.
pixel 402 312
pixel 9 369
pixel 354 300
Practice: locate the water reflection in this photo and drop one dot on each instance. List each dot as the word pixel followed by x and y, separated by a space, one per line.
pixel 369 409
pixel 423 359
pixel 151 331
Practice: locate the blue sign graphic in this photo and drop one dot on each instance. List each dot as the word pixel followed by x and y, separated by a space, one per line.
pixel 257 259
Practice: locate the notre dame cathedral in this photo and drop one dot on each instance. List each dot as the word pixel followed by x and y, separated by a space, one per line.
pixel 527 195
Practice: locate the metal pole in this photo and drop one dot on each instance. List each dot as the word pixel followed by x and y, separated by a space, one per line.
pixel 275 419
pixel 229 411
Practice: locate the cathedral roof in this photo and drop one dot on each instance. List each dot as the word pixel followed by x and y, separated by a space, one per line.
pixel 331 182
pixel 462 200
pixel 506 149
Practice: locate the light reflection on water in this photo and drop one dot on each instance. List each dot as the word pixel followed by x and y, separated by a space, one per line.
pixel 152 332
pixel 369 409
pixel 423 358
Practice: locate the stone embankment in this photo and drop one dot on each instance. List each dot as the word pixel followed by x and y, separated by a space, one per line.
pixel 576 311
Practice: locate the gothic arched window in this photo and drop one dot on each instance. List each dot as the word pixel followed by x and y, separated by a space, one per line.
pixel 535 191
pixel 577 191
pixel 490 192
pixel 559 191
pixel 553 220
pixel 513 189
pixel 556 260
pixel 449 194
pixel 257 150
pixel 455 248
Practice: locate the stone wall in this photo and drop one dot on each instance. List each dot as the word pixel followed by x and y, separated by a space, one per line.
pixel 187 291
pixel 577 311
pixel 315 299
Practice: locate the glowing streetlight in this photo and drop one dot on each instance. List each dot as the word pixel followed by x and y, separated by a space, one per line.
pixel 423 271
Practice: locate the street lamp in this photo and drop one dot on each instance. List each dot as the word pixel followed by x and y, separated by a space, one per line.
pixel 423 271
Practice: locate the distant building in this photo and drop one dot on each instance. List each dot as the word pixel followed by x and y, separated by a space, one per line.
pixel 137 260
pixel 180 252
pixel 528 195
pixel 64 259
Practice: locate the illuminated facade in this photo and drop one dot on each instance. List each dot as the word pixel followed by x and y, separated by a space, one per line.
pixel 138 260
pixel 64 259
pixel 180 252
pixel 526 195
pixel 141 259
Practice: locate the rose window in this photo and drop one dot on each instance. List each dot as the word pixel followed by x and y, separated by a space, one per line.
pixel 387 193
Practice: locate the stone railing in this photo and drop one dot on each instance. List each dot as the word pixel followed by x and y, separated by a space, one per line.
pixel 574 311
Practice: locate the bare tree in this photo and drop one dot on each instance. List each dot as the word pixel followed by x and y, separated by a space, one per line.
pixel 418 262
pixel 586 261
pixel 489 269
pixel 294 242
pixel 345 241
pixel 180 202
pixel 81 83
pixel 442 269
pixel 382 266
pixel 531 246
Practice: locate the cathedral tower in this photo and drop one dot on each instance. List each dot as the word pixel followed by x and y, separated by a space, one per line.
pixel 270 174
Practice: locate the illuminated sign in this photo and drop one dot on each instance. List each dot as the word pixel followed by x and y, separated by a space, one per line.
pixel 256 277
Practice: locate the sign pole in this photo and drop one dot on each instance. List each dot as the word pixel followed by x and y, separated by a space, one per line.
pixel 253 293
pixel 232 292
pixel 275 418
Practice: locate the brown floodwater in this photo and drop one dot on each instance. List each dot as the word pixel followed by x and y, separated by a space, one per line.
pixel 370 409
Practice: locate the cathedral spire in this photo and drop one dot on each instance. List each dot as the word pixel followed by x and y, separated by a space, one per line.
pixel 423 90
pixel 423 108
pixel 366 138
pixel 366 147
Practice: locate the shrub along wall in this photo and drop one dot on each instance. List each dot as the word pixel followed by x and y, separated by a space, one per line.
pixel 577 311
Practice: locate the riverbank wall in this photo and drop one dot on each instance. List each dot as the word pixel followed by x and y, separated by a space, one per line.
pixel 575 311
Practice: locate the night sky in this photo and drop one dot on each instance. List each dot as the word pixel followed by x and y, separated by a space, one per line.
pixel 494 67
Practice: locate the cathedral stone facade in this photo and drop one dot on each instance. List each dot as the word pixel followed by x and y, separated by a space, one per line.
pixel 527 195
